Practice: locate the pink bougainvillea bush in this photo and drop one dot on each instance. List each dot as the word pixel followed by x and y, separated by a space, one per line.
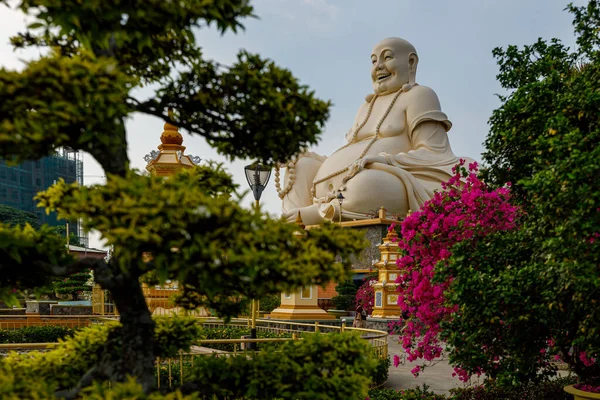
pixel 365 295
pixel 465 210
pixel 479 280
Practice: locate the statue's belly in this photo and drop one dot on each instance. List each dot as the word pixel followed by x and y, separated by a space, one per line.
pixel 347 156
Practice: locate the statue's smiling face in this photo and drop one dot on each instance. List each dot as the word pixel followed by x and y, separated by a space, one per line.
pixel 393 64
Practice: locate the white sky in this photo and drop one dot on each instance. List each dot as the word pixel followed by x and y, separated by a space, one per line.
pixel 327 44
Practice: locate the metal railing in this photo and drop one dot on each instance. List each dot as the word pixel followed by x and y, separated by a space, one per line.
pixel 171 368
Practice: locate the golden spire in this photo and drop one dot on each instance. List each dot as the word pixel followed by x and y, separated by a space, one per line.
pixel 170 158
pixel 302 229
pixel 171 134
pixel 299 221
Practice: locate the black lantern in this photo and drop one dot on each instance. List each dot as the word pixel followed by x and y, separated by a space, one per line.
pixel 257 176
pixel 340 197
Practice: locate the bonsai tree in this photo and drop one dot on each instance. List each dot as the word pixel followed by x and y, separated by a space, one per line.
pixel 346 293
pixel 74 284
pixel 80 93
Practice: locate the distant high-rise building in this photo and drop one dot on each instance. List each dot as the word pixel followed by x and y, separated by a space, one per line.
pixel 20 183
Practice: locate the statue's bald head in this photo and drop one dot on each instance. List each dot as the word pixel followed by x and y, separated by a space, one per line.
pixel 403 46
pixel 394 65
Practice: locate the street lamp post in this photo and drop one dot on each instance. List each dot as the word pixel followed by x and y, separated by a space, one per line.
pixel 340 197
pixel 257 176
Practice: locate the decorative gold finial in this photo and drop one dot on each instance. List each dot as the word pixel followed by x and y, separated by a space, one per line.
pixel 171 134
pixel 382 213
pixel 299 221
pixel 391 235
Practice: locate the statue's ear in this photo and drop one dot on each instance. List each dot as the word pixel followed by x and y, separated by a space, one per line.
pixel 413 61
pixel 369 97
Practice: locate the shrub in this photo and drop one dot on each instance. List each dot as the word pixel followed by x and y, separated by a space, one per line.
pixel 236 332
pixel 466 210
pixel 405 394
pixel 346 294
pixel 63 366
pixel 381 372
pixel 35 334
pixel 547 390
pixel 269 303
pixel 174 333
pixel 14 387
pixel 331 366
pixel 130 390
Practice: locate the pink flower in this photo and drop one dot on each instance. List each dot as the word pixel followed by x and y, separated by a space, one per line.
pixel 466 209
pixel 586 360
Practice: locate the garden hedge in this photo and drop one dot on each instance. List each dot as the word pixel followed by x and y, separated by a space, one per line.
pixel 35 334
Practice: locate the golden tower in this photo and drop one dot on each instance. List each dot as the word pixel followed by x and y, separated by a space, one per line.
pixel 386 295
pixel 170 158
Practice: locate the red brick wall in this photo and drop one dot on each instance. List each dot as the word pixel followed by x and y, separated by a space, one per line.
pixel 328 291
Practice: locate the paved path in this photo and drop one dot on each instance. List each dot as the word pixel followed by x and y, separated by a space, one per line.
pixel 438 377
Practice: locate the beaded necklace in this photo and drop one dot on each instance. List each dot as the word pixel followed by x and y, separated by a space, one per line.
pixel 354 136
pixel 291 164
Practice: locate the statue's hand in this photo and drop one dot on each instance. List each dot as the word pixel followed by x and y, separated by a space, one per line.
pixel 290 216
pixel 361 163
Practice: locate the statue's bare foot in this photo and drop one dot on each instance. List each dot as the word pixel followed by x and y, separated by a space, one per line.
pixel 310 215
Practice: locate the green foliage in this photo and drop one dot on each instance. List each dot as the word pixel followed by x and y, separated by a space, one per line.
pixel 13 216
pixel 14 387
pixel 175 333
pixel 346 295
pixel 63 366
pixel 176 370
pixel 496 283
pixel 74 284
pixel 129 390
pixel 405 394
pixel 97 55
pixel 25 254
pixel 549 390
pixel 270 302
pixel 381 372
pixel 47 105
pixel 321 366
pixel 525 296
pixel 236 332
pixel 206 227
pixel 73 238
pixel 101 60
pixel 35 334
pixel 273 105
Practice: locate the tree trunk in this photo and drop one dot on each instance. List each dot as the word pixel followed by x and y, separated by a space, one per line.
pixel 136 335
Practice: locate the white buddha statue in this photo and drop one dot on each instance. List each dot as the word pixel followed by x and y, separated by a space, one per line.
pixel 396 154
